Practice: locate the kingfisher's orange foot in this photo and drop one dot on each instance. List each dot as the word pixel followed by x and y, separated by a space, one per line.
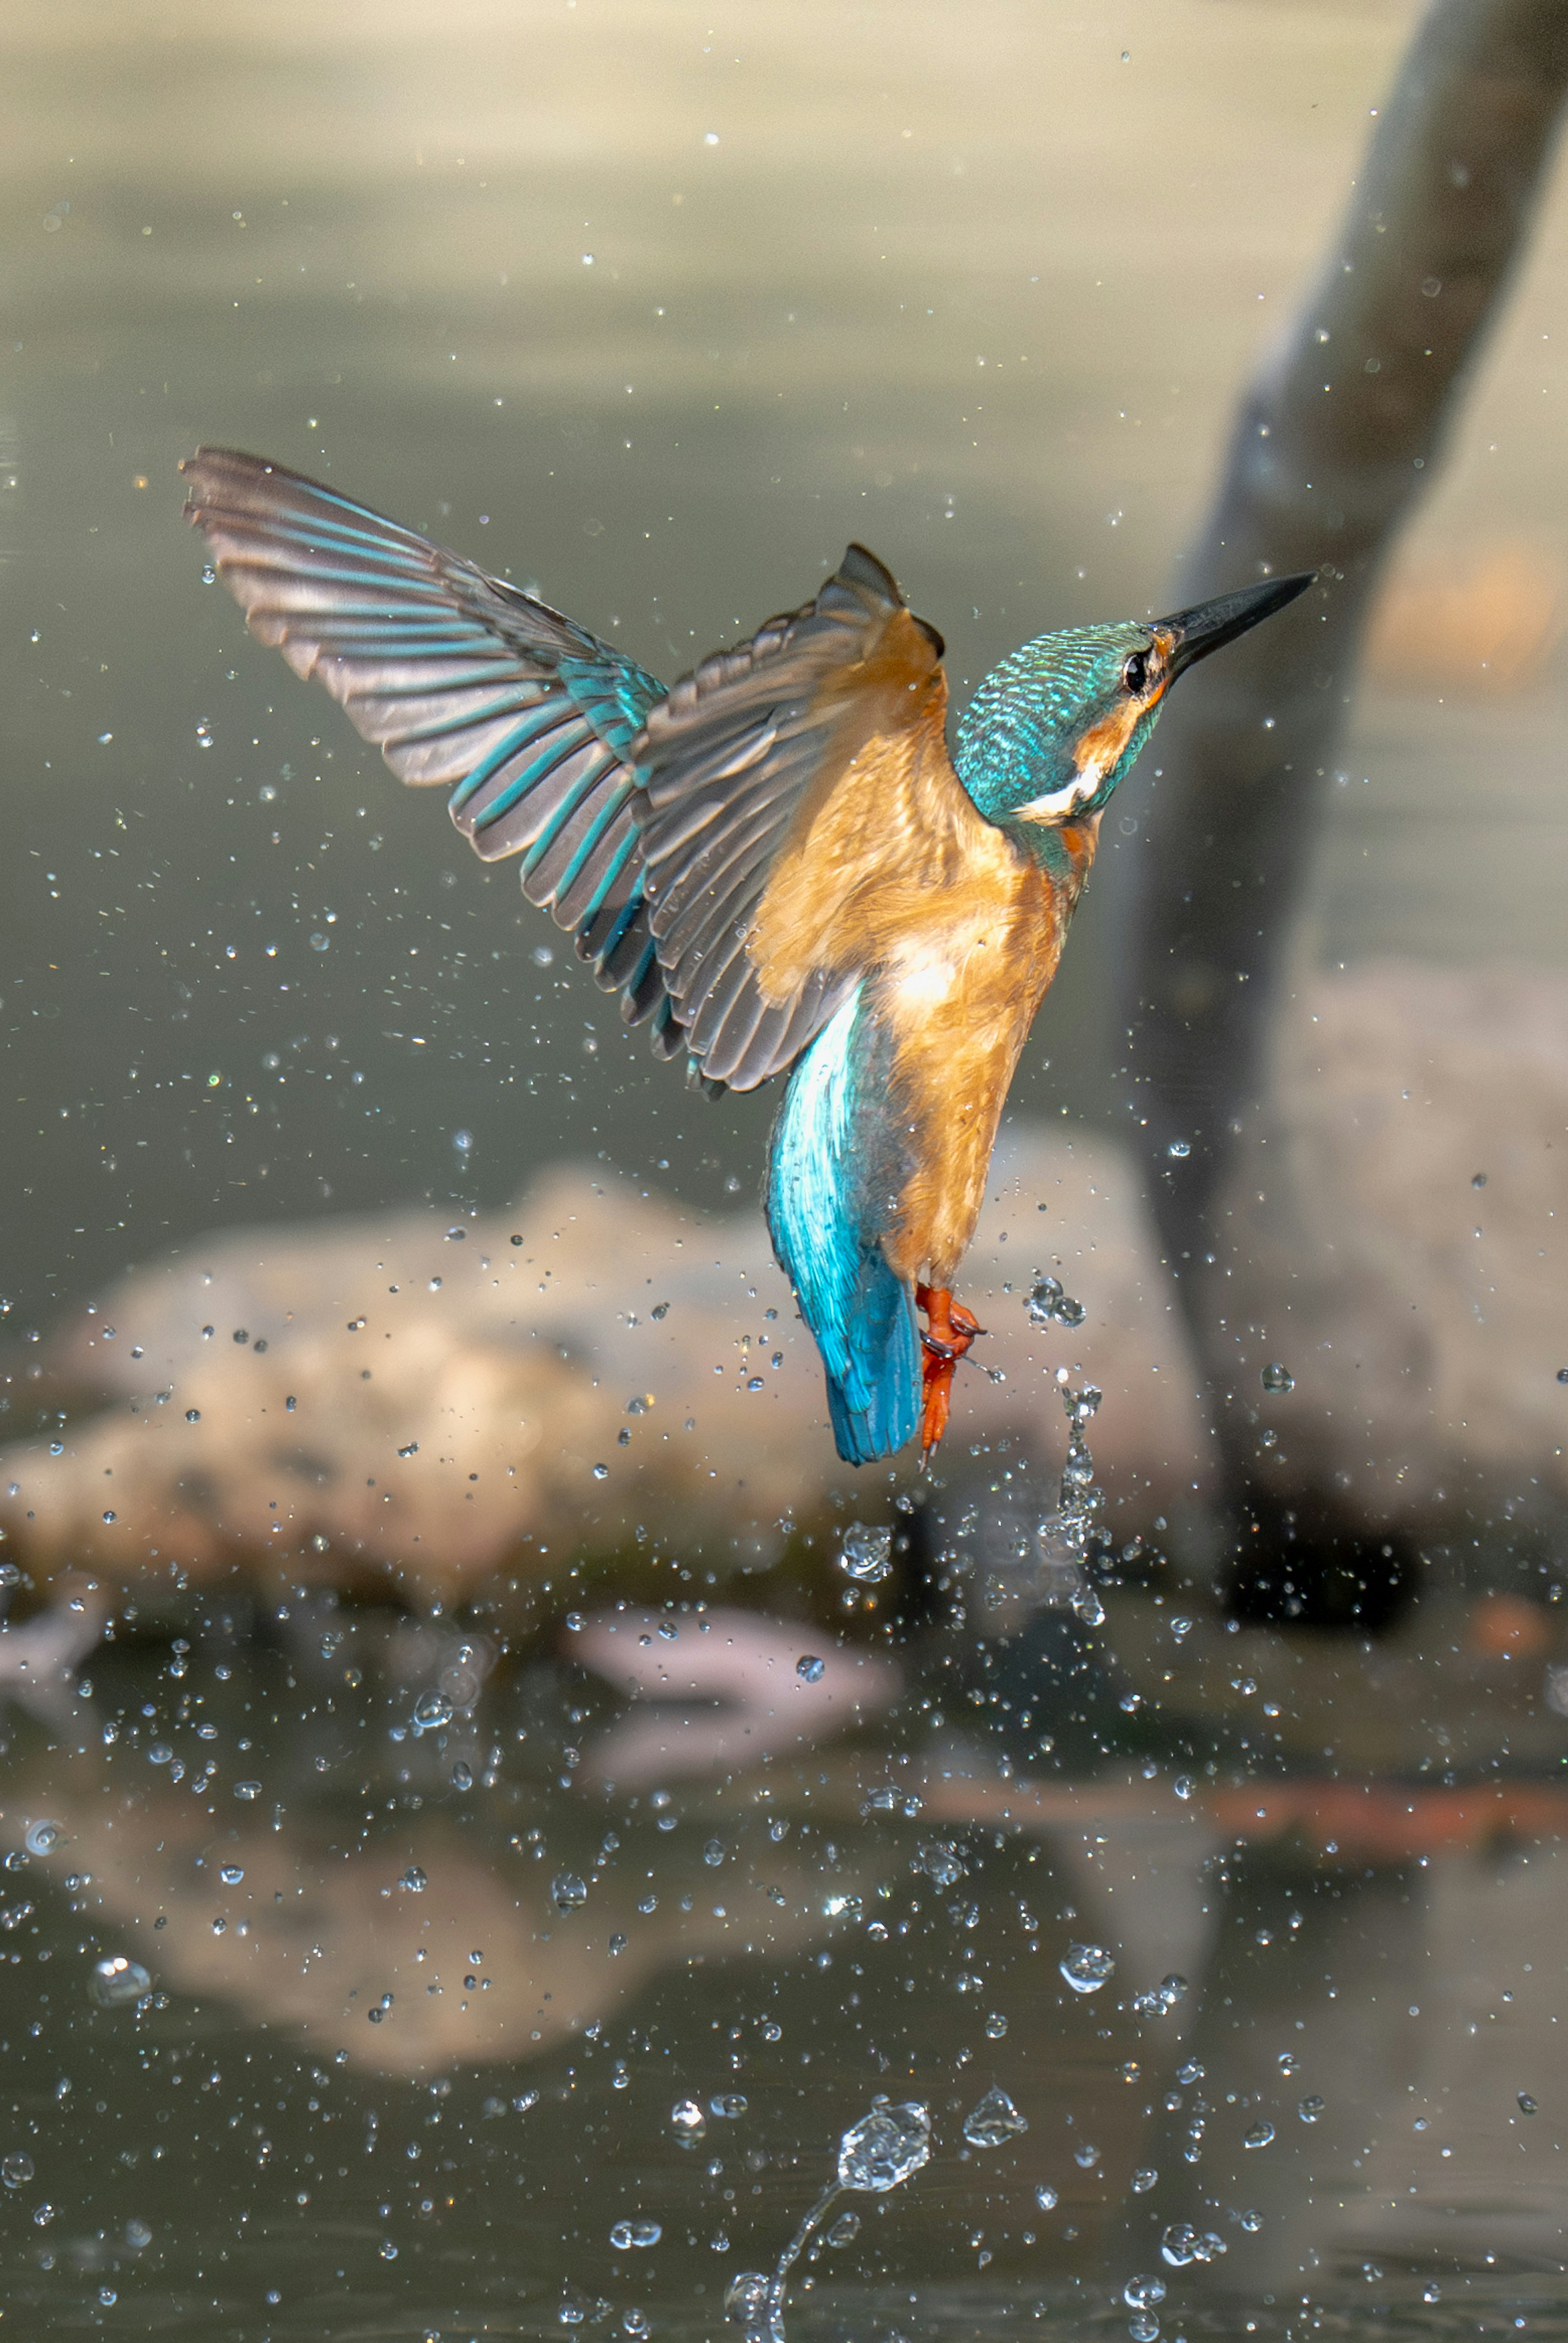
pixel 950 1329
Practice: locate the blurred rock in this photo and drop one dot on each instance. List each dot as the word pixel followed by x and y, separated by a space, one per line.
pixel 401 1406
pixel 1398 1247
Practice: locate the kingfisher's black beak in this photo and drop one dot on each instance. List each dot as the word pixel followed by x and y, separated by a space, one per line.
pixel 1209 626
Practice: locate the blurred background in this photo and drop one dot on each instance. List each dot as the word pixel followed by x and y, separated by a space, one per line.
pixel 650 308
pixel 654 309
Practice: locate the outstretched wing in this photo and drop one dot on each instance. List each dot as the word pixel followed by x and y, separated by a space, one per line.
pixel 738 766
pixel 459 680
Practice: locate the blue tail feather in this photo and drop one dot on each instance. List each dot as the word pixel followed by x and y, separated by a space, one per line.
pixel 860 1314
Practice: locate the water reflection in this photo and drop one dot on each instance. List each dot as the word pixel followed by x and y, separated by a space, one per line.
pixel 393 1974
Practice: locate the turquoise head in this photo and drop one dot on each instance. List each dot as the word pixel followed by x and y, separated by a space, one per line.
pixel 1053 728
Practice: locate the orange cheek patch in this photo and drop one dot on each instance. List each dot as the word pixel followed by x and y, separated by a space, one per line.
pixel 1104 743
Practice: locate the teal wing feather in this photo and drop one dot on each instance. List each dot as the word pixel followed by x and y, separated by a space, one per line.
pixel 725 761
pixel 462 682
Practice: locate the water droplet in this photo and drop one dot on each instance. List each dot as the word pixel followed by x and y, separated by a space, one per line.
pixel 1276 1378
pixel 231 1873
pixel 1048 1305
pixel 114 1982
pixel 866 1554
pixel 193 1415
pixel 809 1668
pixel 1143 2180
pixel 1143 2327
pixel 713 1853
pixel 462 1777
pixel 941 1861
pixel 568 1892
pixel 110 1514
pixel 15 2171
pixel 1046 2198
pixel 1181 1626
pixel 731 2105
pixel 1086 2155
pixel 994 2121
pixel 247 1789
pixel 463 1141
pixel 844 2229
pixel 431 1711
pixel 1527 2105
pixel 746 2299
pixel 602 1472
pixel 885 2146
pixel 1161 1999
pixel 1260 2136
pixel 1432 2291
pixel 1182 2244
pixel 415 1880
pixel 625 2235
pixel 1180 1149
pixel 1139 2293
pixel 687 2120
pixel 1086 1968
pixel 388 2250
pixel 995 2027
pixel 43 1837
pixel 1311 2108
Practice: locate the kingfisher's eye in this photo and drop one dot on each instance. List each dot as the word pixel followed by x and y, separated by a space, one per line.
pixel 1135 673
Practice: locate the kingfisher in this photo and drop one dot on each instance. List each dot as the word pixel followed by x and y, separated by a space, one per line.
pixel 777 862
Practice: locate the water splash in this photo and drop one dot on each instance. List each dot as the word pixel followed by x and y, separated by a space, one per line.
pixel 1064 1537
pixel 875 2154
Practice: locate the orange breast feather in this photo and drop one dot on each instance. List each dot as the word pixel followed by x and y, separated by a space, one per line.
pixel 889 869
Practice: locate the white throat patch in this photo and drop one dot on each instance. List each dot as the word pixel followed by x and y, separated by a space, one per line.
pixel 1060 803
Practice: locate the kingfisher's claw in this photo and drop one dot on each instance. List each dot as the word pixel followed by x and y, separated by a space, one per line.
pixel 949 1332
